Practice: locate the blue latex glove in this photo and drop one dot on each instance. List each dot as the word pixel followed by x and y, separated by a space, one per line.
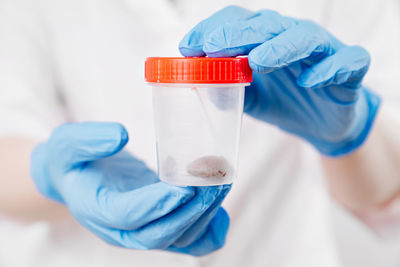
pixel 306 81
pixel 119 199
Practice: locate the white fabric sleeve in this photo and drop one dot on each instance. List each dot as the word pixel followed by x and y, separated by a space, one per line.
pixel 375 25
pixel 29 102
pixel 384 78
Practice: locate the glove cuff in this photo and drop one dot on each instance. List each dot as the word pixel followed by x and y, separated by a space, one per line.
pixel 40 174
pixel 348 146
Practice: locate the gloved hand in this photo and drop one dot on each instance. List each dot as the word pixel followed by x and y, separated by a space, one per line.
pixel 305 80
pixel 119 199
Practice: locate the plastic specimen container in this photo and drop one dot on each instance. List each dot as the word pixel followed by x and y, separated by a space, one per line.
pixel 198 107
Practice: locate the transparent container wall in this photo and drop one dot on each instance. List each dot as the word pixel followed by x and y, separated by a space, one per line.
pixel 198 131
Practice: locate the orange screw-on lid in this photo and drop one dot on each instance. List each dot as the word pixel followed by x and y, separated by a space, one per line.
pixel 197 70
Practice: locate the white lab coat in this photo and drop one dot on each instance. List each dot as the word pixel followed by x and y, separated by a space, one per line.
pixel 79 60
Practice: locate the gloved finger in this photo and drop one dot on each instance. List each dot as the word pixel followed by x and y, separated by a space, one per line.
pixel 240 37
pixel 347 66
pixel 305 41
pixel 192 43
pixel 109 235
pixel 211 240
pixel 198 228
pixel 74 143
pixel 132 173
pixel 163 232
pixel 125 210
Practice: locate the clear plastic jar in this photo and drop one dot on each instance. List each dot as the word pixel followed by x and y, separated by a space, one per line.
pixel 198 107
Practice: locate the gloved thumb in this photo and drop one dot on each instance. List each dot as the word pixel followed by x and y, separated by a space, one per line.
pixel 73 144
